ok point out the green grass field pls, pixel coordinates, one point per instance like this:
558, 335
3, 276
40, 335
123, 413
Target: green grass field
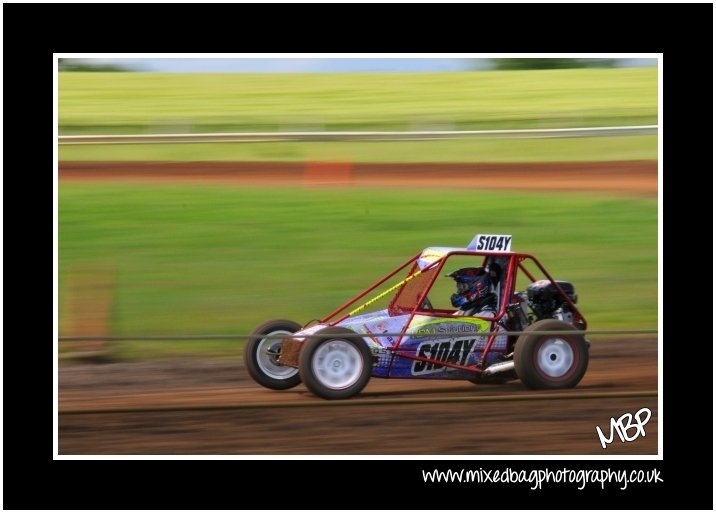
139, 103
220, 260
151, 102
454, 150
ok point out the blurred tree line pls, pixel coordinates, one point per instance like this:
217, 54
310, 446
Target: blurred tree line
81, 65
550, 63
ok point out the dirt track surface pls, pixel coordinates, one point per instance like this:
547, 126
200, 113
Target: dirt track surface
638, 177
311, 426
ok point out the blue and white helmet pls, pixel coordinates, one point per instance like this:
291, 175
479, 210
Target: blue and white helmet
473, 286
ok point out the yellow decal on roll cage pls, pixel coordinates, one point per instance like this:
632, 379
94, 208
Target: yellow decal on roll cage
383, 294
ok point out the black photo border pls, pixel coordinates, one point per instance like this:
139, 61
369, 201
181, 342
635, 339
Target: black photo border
33, 32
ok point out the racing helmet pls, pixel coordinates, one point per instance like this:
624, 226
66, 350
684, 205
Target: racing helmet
473, 287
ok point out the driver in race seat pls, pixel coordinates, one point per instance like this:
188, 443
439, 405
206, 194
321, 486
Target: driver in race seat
476, 290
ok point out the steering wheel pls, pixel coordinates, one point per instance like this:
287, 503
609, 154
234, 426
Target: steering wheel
426, 305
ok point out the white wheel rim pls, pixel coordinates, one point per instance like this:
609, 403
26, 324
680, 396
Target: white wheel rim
266, 360
337, 364
555, 357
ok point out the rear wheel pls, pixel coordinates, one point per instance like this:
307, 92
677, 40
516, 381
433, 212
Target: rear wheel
261, 355
551, 361
335, 365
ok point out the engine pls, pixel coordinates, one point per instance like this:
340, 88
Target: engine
546, 302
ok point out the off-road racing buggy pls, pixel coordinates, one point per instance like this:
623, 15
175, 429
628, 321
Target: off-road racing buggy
419, 334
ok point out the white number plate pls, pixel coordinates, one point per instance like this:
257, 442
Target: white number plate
490, 242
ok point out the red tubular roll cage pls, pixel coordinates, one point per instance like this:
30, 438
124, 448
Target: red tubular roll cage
515, 263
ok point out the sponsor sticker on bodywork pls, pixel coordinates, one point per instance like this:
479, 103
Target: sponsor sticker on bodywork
462, 336
449, 351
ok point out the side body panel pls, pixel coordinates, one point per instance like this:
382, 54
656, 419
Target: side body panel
463, 343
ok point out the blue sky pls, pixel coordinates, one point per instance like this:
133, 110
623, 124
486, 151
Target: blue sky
308, 64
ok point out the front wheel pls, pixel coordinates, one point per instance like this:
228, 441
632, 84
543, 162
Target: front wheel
261, 355
551, 361
336, 364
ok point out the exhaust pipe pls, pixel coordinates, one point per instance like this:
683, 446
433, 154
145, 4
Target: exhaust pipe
499, 367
